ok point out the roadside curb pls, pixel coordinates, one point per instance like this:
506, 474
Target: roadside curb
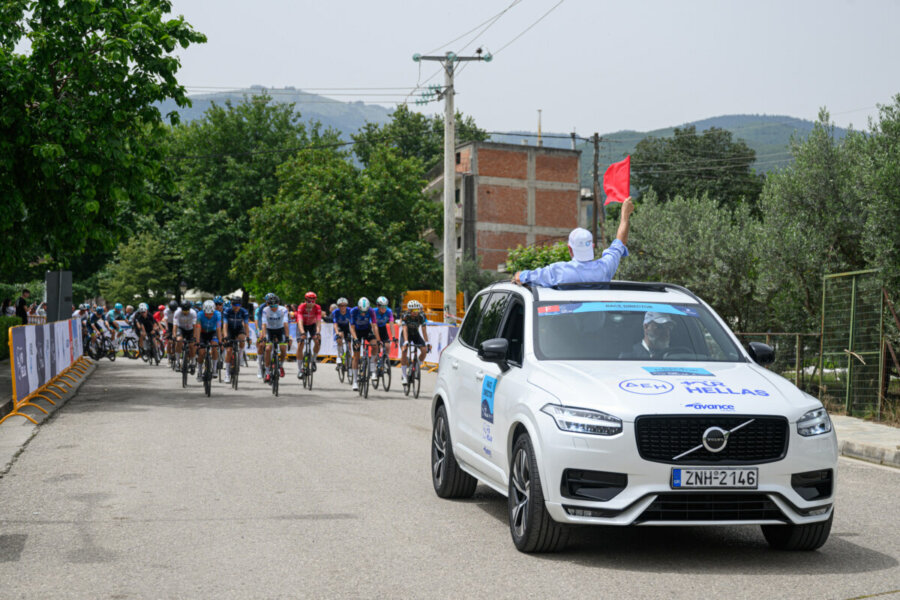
870, 453
16, 433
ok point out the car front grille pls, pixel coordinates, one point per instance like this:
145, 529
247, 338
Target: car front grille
712, 507
660, 438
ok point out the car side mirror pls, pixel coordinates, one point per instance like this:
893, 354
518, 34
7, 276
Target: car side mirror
495, 351
762, 354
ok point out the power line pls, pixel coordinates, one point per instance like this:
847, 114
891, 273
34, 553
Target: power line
493, 18
527, 29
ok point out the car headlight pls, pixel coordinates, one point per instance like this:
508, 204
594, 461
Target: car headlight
815, 422
582, 420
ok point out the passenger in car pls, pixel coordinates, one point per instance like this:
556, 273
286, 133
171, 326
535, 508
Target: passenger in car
657, 334
583, 268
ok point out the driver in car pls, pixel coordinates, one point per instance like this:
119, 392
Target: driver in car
657, 332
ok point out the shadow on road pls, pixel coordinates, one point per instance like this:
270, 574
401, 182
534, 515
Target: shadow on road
700, 550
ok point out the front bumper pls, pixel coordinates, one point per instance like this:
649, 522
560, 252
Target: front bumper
648, 498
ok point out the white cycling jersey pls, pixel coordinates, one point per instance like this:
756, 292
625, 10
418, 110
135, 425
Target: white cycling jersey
169, 315
275, 318
185, 320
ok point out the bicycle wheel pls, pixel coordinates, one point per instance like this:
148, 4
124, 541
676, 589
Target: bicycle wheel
235, 366
207, 372
309, 373
184, 368
363, 374
275, 372
377, 379
417, 381
144, 353
130, 348
110, 350
386, 374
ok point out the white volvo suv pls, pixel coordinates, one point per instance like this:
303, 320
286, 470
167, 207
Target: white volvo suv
626, 404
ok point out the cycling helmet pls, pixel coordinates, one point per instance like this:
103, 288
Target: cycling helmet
209, 307
219, 300
129, 308
98, 310
186, 305
382, 301
271, 299
142, 307
197, 305
236, 301
161, 307
227, 305
414, 305
173, 306
310, 295
118, 306
363, 303
342, 302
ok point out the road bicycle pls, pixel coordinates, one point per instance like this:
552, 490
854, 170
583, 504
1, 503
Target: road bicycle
414, 370
206, 368
235, 361
149, 351
364, 373
383, 366
129, 344
306, 367
343, 364
275, 368
185, 361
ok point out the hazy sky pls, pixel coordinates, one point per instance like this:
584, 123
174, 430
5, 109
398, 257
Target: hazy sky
592, 65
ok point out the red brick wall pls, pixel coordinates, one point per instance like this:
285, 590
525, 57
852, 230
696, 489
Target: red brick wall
556, 168
493, 246
501, 204
556, 208
502, 163
465, 161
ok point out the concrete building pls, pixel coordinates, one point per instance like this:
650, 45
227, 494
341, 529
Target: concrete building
508, 195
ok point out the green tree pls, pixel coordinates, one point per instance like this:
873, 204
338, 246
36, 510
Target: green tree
139, 273
523, 258
695, 243
342, 231
79, 133
414, 135
226, 165
471, 278
691, 165
812, 224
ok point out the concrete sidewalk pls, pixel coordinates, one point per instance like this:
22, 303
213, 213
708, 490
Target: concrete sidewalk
868, 441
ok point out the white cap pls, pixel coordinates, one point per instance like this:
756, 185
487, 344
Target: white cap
657, 317
582, 244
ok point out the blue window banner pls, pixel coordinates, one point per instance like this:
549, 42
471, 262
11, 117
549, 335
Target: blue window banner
487, 398
587, 307
677, 371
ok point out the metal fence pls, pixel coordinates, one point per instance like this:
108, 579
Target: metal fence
796, 356
851, 361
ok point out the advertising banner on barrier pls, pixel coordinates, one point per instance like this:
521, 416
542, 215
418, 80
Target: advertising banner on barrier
41, 352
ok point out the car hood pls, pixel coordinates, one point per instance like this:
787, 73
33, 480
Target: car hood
628, 389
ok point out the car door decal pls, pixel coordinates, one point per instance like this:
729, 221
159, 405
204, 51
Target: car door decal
487, 413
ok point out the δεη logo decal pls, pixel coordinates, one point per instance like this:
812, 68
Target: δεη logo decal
646, 387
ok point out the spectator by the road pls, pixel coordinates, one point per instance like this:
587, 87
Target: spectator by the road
22, 306
583, 268
8, 309
327, 318
41, 310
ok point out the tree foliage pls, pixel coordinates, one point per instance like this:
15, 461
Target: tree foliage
141, 272
523, 258
691, 165
413, 134
471, 278
79, 134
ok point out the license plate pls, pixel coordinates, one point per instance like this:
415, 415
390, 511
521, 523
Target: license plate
715, 478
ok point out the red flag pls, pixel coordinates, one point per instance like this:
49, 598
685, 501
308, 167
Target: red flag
617, 181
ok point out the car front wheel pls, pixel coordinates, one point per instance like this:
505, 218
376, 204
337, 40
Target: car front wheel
798, 537
531, 526
449, 480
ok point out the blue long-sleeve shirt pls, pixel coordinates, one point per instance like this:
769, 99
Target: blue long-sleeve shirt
575, 271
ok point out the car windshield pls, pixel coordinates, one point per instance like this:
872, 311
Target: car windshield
631, 331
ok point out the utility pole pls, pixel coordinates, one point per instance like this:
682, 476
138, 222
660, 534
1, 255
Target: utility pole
598, 216
448, 62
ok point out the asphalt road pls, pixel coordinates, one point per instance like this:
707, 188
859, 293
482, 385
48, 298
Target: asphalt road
139, 489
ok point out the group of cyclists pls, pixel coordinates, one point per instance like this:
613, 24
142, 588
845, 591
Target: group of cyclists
219, 323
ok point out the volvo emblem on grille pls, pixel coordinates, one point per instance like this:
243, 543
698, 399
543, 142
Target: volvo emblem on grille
714, 439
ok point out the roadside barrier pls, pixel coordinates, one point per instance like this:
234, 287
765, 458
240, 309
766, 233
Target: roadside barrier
46, 360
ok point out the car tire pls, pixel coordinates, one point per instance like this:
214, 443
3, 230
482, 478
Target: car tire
448, 479
531, 526
798, 537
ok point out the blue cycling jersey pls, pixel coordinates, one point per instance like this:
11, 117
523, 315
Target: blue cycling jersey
362, 319
383, 318
209, 322
237, 319
339, 318
258, 315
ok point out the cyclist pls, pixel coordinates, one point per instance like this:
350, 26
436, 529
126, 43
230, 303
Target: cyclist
237, 324
309, 318
209, 330
185, 318
383, 317
158, 315
411, 321
97, 323
220, 304
340, 317
275, 331
260, 340
168, 324
115, 314
144, 324
362, 321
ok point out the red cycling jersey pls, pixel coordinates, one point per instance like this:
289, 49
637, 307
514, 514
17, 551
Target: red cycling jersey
158, 315
309, 314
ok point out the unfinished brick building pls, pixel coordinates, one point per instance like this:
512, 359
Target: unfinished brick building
508, 195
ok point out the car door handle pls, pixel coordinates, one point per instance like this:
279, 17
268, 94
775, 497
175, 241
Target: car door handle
455, 364
479, 375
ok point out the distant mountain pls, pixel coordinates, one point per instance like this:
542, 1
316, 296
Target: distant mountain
768, 135
346, 117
